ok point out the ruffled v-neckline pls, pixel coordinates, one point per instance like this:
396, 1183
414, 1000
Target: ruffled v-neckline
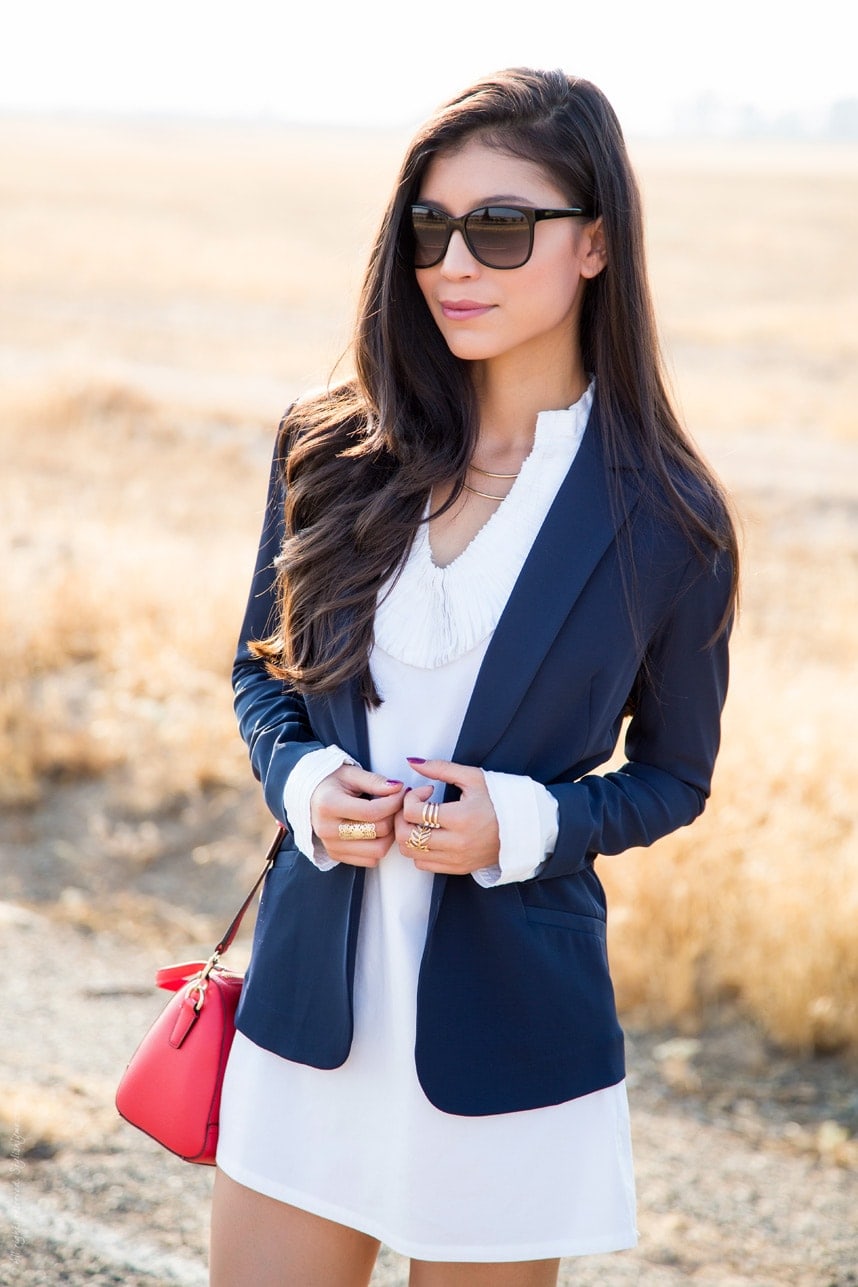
428, 615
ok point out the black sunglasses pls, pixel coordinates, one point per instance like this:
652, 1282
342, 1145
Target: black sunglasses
497, 236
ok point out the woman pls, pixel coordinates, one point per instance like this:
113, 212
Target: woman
479, 556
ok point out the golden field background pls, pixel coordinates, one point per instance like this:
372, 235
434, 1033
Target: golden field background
166, 290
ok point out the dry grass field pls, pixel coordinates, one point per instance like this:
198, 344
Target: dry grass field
166, 290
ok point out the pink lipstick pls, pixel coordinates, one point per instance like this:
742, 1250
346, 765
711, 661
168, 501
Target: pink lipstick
462, 310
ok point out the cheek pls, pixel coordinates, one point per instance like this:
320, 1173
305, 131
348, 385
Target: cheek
554, 292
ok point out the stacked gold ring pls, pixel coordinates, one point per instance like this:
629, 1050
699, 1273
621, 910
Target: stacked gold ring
430, 815
419, 838
357, 831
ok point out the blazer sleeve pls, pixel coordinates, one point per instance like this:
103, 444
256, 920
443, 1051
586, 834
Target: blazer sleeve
671, 741
272, 718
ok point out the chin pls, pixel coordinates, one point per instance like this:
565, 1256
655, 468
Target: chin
469, 348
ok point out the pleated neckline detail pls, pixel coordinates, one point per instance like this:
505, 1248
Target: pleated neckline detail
428, 616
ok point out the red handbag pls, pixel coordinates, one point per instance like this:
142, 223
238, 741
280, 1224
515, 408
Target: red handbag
172, 1086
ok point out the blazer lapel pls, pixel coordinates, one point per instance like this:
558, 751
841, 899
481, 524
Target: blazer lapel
348, 715
577, 531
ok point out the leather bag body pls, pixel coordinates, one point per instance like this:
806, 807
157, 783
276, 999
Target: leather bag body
172, 1086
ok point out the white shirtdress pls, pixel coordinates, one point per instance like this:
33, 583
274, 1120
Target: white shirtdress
361, 1144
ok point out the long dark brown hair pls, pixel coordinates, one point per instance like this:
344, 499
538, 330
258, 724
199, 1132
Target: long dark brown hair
359, 460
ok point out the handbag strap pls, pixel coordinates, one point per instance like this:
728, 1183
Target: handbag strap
230, 934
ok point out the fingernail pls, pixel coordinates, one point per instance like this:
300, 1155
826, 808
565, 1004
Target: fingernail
415, 759
393, 782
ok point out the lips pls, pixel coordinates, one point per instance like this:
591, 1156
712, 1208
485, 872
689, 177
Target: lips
462, 310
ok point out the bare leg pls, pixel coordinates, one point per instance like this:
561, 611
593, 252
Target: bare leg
257, 1241
526, 1273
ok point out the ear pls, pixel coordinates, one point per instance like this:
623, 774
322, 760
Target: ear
594, 250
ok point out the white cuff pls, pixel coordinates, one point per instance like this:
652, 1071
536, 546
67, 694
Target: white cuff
528, 822
310, 770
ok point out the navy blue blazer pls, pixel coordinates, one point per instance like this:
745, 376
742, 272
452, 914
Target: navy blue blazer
515, 1007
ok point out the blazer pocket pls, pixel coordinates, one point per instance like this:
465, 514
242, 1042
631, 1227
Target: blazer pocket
566, 920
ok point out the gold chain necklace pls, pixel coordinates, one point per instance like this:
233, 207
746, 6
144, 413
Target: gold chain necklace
488, 473
488, 495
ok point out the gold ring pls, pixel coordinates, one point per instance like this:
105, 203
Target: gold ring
419, 838
357, 831
430, 815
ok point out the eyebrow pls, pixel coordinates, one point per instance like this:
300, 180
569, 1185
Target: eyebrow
484, 201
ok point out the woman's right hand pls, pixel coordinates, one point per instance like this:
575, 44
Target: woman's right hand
341, 798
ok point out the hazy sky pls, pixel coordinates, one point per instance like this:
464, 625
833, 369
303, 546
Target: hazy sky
390, 61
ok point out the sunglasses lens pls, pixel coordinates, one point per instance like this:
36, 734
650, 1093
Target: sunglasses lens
500, 237
430, 236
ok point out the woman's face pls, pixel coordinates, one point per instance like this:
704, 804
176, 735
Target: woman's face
486, 314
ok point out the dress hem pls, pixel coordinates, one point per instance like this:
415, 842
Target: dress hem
493, 1254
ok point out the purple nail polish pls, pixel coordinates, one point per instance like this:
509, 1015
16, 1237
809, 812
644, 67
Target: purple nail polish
393, 782
415, 759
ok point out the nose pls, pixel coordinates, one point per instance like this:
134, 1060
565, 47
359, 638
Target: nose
458, 260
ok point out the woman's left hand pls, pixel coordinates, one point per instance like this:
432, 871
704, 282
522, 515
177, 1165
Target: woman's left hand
467, 838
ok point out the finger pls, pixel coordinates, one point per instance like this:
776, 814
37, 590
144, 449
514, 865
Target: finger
357, 856
438, 865
360, 781
465, 776
361, 851
441, 867
339, 806
438, 842
330, 833
413, 802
